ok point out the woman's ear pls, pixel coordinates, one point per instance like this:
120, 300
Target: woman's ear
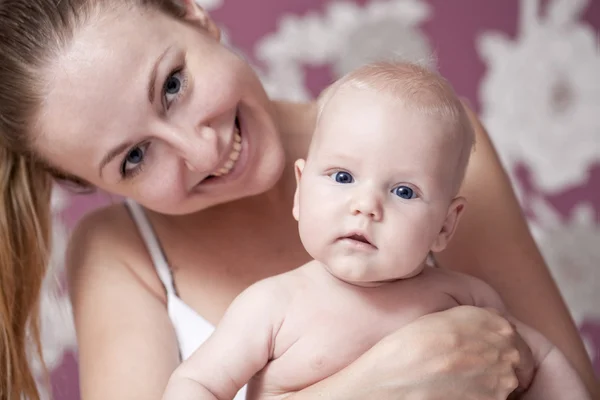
298, 168
450, 223
197, 15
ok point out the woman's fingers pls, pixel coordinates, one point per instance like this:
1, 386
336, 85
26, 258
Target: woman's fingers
518, 353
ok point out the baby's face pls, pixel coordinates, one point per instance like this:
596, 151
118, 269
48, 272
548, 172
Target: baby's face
376, 188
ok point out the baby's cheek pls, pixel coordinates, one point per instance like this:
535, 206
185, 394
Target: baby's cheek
312, 205
309, 235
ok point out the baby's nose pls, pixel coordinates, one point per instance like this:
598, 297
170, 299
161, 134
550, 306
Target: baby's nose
368, 203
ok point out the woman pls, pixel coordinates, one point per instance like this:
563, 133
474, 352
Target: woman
174, 121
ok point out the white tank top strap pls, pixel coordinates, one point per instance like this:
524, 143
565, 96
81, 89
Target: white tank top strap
190, 328
153, 245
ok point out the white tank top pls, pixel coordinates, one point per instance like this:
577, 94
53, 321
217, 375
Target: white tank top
190, 328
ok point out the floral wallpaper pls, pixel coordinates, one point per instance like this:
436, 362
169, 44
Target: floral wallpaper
531, 68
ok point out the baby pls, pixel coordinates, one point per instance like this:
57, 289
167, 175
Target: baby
376, 195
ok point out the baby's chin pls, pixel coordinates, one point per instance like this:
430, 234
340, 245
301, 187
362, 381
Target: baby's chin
359, 274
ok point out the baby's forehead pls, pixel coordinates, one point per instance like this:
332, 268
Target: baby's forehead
425, 101
362, 121
351, 108
377, 123
409, 84
350, 101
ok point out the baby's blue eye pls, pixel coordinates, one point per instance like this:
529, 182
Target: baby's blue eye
342, 177
404, 192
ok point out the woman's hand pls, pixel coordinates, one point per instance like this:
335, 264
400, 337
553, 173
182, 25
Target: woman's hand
462, 353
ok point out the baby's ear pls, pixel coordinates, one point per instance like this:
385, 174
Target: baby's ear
450, 223
197, 15
298, 168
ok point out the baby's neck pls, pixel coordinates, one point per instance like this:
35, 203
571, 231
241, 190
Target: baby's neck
322, 268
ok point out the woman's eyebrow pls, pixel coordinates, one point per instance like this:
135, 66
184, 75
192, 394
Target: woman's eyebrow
112, 154
153, 73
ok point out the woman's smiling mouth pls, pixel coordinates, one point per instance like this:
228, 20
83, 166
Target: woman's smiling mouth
230, 163
234, 155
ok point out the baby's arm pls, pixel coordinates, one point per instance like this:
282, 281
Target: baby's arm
555, 378
239, 348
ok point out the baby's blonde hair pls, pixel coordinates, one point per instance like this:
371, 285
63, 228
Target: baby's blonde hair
417, 88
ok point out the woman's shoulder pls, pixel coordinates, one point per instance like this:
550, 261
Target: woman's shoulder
110, 225
107, 241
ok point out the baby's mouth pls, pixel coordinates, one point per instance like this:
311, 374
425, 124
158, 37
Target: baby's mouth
358, 238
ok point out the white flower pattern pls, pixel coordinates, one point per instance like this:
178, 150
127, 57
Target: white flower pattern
542, 88
345, 36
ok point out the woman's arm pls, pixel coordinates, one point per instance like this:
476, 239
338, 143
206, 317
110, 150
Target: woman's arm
493, 243
127, 347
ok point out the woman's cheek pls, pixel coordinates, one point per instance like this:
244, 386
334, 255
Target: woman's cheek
162, 190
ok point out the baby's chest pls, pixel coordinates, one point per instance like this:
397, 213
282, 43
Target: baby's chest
305, 355
313, 345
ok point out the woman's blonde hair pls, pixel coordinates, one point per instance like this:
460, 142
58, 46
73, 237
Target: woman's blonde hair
32, 34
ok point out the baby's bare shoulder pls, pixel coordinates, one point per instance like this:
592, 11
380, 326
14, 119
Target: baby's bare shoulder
439, 276
278, 291
459, 286
466, 289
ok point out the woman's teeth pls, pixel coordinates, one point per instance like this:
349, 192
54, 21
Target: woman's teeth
233, 156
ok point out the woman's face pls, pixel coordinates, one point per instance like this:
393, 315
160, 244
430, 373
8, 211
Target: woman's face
155, 109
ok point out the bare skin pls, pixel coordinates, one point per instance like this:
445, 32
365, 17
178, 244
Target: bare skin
299, 342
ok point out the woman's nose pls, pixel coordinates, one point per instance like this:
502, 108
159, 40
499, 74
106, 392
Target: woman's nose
199, 149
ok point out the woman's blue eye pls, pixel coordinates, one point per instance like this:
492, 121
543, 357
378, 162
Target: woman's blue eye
132, 160
404, 192
342, 177
173, 87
